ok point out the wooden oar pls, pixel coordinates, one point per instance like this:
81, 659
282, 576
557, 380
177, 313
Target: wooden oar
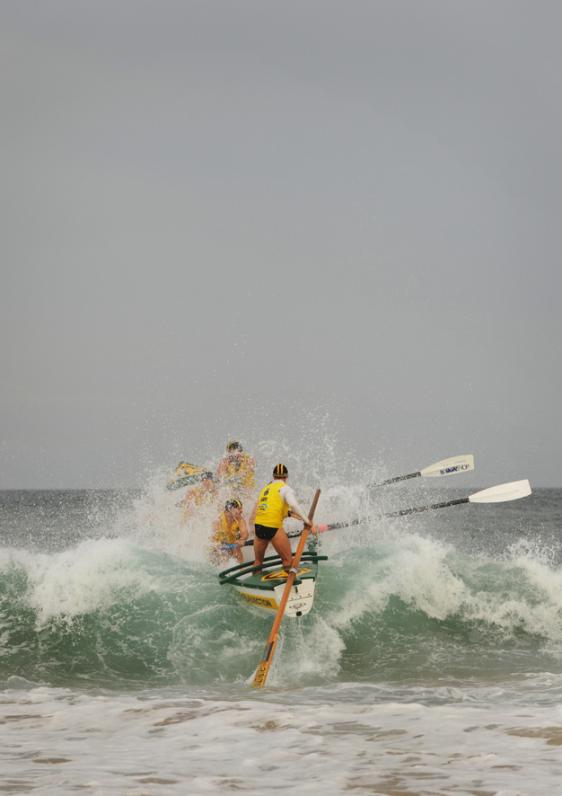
455, 464
260, 675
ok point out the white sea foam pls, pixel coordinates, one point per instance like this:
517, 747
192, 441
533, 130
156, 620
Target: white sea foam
518, 592
208, 733
91, 576
172, 743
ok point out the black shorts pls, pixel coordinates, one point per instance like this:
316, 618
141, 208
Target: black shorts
265, 533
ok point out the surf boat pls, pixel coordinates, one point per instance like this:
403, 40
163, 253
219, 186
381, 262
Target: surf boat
264, 589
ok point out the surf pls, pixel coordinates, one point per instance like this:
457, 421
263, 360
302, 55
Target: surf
114, 612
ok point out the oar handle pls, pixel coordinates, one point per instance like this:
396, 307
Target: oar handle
396, 479
333, 526
419, 509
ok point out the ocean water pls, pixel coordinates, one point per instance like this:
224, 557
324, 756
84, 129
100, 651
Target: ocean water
431, 662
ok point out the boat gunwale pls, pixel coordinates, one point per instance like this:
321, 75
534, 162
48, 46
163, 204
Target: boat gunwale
270, 563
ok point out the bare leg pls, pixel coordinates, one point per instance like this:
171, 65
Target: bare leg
282, 545
260, 546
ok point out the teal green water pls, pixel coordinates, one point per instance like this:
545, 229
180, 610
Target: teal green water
392, 605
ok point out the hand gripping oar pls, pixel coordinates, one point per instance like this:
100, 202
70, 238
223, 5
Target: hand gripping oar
260, 675
456, 464
296, 534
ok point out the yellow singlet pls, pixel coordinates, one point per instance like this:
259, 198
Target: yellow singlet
272, 509
225, 534
240, 472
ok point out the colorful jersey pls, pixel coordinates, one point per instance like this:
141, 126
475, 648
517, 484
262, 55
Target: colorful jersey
272, 508
225, 533
238, 471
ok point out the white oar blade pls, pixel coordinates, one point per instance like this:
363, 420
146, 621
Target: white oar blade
503, 492
456, 464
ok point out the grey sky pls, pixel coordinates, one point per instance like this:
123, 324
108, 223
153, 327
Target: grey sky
279, 221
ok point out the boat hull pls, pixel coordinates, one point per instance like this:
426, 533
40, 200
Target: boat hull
264, 589
300, 599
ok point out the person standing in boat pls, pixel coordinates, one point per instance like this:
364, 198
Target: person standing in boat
229, 533
275, 502
236, 469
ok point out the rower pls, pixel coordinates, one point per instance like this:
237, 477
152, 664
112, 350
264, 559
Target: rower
229, 533
275, 502
236, 468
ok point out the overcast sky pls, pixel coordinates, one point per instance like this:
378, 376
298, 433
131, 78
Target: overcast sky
335, 226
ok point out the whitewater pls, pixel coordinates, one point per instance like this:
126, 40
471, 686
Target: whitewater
431, 662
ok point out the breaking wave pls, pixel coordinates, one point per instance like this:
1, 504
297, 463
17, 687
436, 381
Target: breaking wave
114, 611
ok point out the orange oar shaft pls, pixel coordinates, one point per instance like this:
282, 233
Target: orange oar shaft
263, 668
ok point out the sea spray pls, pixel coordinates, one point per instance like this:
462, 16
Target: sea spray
109, 610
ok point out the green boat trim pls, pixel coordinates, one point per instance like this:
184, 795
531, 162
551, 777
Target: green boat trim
271, 573
264, 589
